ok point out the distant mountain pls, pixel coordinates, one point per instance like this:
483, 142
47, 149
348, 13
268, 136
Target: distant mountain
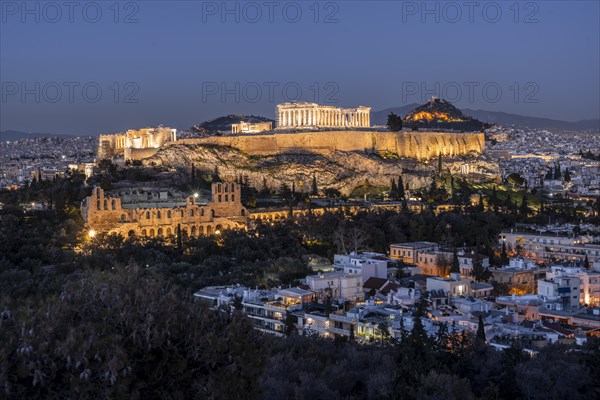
499, 118
223, 124
380, 117
521, 121
11, 135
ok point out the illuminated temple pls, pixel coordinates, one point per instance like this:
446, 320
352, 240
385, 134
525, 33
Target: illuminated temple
312, 115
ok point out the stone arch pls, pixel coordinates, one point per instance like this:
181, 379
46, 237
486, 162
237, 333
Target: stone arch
219, 228
131, 233
169, 231
200, 230
144, 233
209, 230
193, 231
160, 232
151, 232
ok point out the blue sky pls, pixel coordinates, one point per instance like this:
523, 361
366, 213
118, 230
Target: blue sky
183, 62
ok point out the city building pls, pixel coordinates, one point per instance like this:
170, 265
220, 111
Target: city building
161, 214
409, 252
366, 264
251, 127
520, 275
576, 281
337, 285
135, 144
549, 248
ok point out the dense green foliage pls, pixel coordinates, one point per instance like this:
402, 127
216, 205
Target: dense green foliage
114, 318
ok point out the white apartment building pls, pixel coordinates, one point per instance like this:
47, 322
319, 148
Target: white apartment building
337, 285
366, 264
550, 247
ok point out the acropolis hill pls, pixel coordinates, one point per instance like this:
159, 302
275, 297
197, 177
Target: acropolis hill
318, 129
408, 144
336, 146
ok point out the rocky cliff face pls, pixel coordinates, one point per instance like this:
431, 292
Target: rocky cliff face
343, 171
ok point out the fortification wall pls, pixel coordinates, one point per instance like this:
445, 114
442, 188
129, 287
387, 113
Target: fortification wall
419, 145
138, 154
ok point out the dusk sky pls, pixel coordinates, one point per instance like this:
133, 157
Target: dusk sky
171, 63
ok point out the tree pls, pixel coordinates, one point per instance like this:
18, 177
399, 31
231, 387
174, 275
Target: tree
567, 176
401, 194
393, 189
314, 189
440, 166
503, 255
290, 323
480, 206
557, 174
284, 191
524, 209
481, 329
586, 263
394, 122
479, 272
515, 180
455, 263
179, 241
215, 174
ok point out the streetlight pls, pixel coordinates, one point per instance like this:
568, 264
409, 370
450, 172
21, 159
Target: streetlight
92, 233
196, 195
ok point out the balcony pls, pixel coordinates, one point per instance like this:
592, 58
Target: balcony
338, 331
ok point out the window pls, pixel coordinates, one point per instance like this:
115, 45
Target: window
168, 214
191, 213
220, 198
147, 214
226, 196
113, 205
233, 197
158, 215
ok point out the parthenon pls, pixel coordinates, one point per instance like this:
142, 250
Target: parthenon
312, 115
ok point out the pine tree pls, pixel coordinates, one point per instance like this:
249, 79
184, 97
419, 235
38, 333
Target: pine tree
179, 241
401, 194
315, 189
567, 176
455, 263
284, 191
586, 263
393, 189
524, 210
479, 272
557, 174
440, 164
503, 255
215, 175
290, 323
480, 207
481, 329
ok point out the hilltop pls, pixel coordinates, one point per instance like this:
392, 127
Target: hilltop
441, 114
223, 124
